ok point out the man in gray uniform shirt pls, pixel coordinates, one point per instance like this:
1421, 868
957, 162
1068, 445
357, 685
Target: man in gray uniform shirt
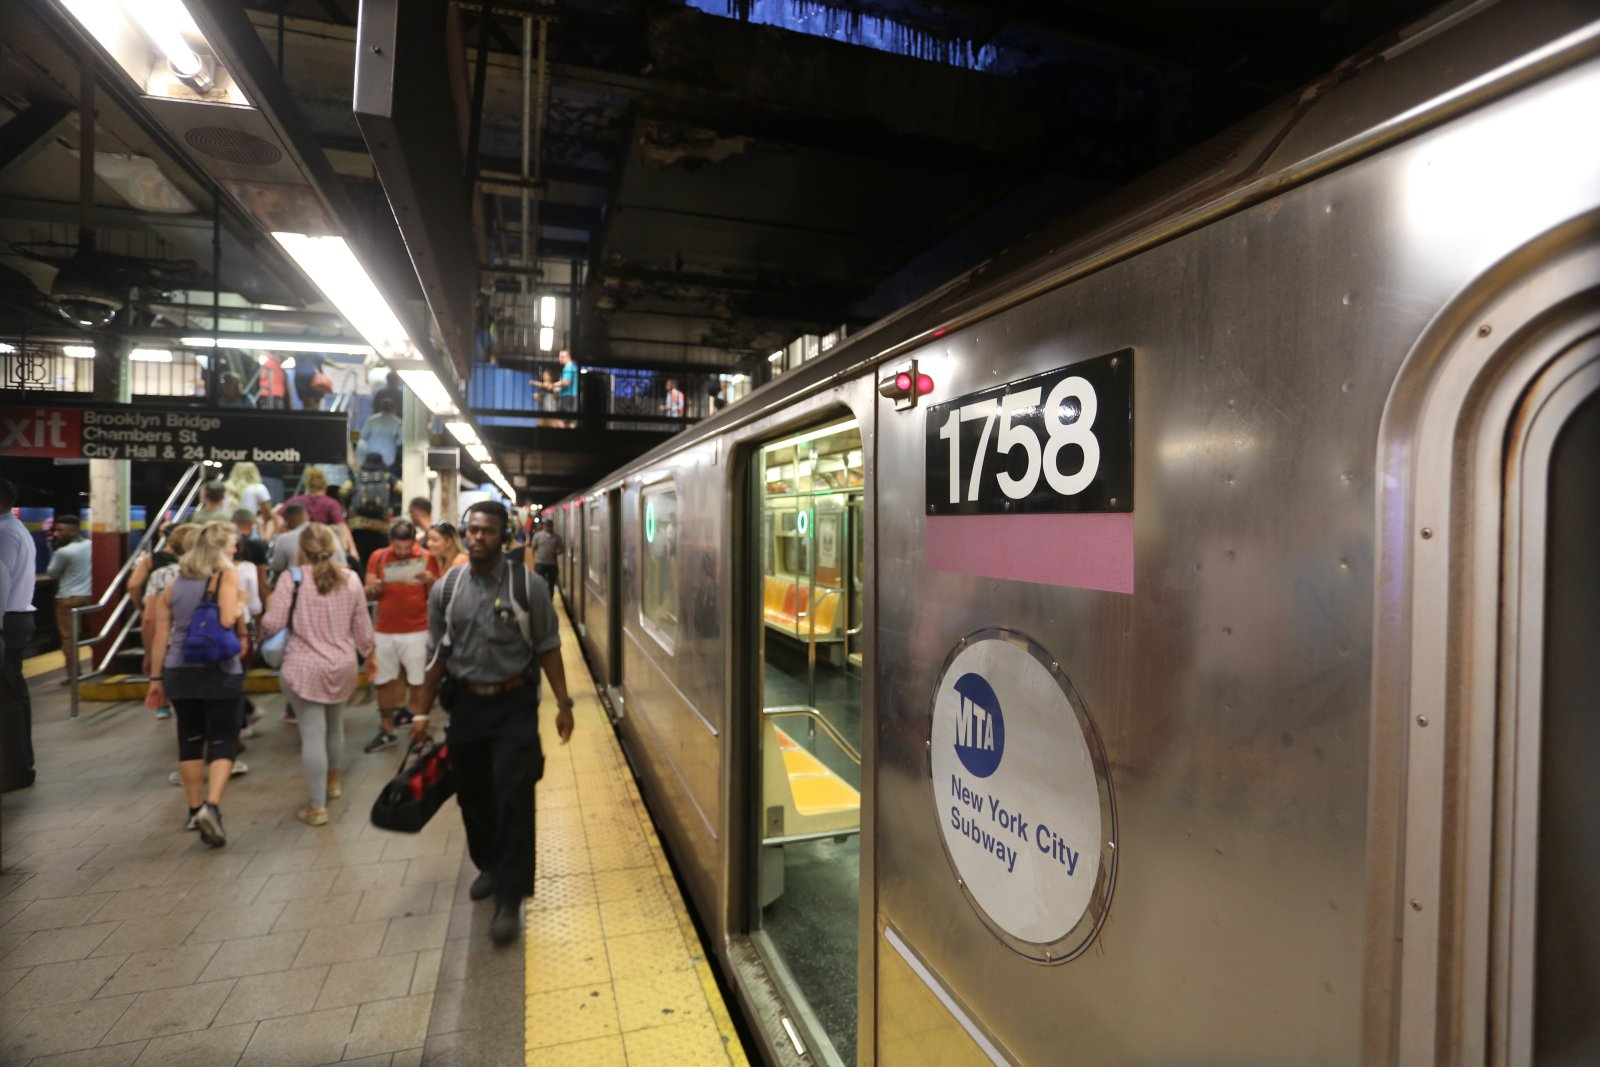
490, 630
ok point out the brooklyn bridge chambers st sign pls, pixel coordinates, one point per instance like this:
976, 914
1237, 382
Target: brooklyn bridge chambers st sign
180, 435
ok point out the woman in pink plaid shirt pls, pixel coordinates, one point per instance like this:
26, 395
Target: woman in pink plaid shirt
328, 624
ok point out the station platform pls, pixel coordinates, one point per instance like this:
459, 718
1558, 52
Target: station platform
125, 941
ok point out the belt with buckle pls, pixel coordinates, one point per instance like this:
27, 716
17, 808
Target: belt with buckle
483, 689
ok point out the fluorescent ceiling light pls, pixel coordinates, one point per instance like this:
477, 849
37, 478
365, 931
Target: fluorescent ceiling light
6, 349
463, 432
547, 311
334, 269
78, 351
480, 453
547, 338
165, 22
158, 46
151, 355
429, 390
492, 472
267, 344
775, 356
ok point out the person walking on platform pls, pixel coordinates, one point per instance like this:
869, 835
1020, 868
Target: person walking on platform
286, 546
163, 567
321, 603
444, 545
321, 507
204, 686
492, 628
398, 578
213, 505
383, 433
72, 570
545, 550
371, 508
246, 491
17, 563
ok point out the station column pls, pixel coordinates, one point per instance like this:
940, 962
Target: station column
109, 479
415, 418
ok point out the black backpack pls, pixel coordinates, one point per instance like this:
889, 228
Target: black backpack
372, 495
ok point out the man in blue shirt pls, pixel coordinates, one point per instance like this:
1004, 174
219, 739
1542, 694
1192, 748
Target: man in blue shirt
383, 431
17, 562
566, 389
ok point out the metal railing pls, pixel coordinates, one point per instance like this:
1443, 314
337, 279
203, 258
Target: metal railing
816, 719
126, 613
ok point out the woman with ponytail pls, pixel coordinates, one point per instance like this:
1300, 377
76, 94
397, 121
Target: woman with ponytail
322, 604
197, 670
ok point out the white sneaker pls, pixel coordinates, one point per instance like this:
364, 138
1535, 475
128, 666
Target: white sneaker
175, 778
239, 767
247, 732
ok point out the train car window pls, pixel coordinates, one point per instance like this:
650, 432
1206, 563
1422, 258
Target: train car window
596, 535
658, 602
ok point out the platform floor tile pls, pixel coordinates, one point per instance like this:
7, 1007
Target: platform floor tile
616, 975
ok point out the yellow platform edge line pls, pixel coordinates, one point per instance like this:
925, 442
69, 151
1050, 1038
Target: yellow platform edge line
590, 716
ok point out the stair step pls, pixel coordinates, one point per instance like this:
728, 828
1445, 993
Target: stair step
119, 687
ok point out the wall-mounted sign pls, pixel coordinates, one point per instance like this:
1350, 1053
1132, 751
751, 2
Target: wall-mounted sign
1061, 441
178, 435
1022, 795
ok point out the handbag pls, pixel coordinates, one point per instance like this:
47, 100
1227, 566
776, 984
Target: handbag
411, 797
321, 383
273, 648
207, 641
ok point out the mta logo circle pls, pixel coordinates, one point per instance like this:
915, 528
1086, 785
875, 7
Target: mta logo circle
980, 739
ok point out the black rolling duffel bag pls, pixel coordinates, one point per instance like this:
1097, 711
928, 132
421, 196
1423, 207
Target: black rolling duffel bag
411, 797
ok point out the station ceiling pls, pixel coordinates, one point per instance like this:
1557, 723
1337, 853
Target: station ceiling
723, 175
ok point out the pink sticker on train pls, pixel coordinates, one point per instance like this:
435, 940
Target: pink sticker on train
1087, 551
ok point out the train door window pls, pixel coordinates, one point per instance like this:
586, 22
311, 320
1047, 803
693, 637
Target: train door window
596, 545
658, 601
808, 514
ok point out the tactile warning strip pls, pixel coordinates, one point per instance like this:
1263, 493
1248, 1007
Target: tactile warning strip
615, 971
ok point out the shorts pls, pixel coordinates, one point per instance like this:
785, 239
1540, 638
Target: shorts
397, 652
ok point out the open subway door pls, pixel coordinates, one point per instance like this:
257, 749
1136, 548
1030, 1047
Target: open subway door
808, 514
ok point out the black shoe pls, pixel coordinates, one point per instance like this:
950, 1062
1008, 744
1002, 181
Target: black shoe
507, 922
382, 741
208, 820
482, 887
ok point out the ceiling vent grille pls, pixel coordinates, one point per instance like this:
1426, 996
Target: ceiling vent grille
233, 146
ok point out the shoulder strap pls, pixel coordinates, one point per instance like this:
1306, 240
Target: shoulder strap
521, 599
450, 590
294, 597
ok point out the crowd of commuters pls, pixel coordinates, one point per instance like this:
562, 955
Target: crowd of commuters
430, 604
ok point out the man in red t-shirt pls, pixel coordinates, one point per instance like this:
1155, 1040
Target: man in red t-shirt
398, 578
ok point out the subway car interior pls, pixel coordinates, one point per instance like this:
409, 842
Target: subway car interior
1048, 533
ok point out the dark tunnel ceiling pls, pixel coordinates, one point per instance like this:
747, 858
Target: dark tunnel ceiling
732, 184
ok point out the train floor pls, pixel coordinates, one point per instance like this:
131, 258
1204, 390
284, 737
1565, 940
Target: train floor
125, 941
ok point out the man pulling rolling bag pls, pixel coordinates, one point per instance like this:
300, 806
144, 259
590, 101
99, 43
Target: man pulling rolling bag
490, 631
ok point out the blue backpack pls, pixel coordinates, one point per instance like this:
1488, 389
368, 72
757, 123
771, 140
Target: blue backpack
208, 642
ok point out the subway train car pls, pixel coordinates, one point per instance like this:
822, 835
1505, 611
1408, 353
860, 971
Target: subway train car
1171, 642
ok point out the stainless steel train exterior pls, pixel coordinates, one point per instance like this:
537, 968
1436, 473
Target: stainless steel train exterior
1329, 671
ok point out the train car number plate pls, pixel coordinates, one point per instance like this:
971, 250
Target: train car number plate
1061, 441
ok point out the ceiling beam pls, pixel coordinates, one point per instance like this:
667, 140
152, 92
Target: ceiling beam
28, 132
